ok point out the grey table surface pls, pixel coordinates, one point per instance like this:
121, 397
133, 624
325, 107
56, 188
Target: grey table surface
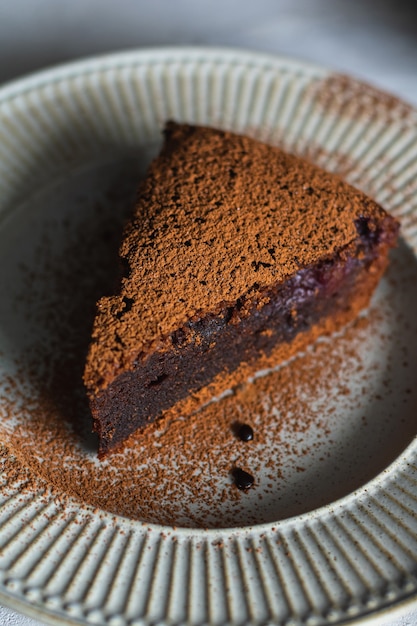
375, 40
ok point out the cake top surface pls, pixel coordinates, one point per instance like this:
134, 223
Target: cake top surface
219, 216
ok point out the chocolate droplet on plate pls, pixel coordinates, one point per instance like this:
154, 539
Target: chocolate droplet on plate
243, 480
245, 432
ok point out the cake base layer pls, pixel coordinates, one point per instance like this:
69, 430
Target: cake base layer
263, 328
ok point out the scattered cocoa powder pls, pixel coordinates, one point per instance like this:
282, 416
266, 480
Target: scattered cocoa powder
345, 95
317, 435
179, 471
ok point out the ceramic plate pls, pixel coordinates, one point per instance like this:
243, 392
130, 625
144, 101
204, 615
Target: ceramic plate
328, 533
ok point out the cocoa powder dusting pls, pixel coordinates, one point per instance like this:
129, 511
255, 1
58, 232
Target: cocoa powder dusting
324, 422
347, 96
203, 235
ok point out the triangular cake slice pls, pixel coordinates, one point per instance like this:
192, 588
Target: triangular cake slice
237, 256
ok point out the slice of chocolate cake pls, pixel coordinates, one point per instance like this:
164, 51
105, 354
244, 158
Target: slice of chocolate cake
237, 256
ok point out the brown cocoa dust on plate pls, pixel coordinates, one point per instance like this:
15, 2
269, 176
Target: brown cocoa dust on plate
323, 423
181, 470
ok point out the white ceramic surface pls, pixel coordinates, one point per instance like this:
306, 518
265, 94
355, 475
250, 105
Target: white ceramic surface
61, 560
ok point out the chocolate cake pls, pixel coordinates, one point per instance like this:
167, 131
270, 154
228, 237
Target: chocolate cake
237, 256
